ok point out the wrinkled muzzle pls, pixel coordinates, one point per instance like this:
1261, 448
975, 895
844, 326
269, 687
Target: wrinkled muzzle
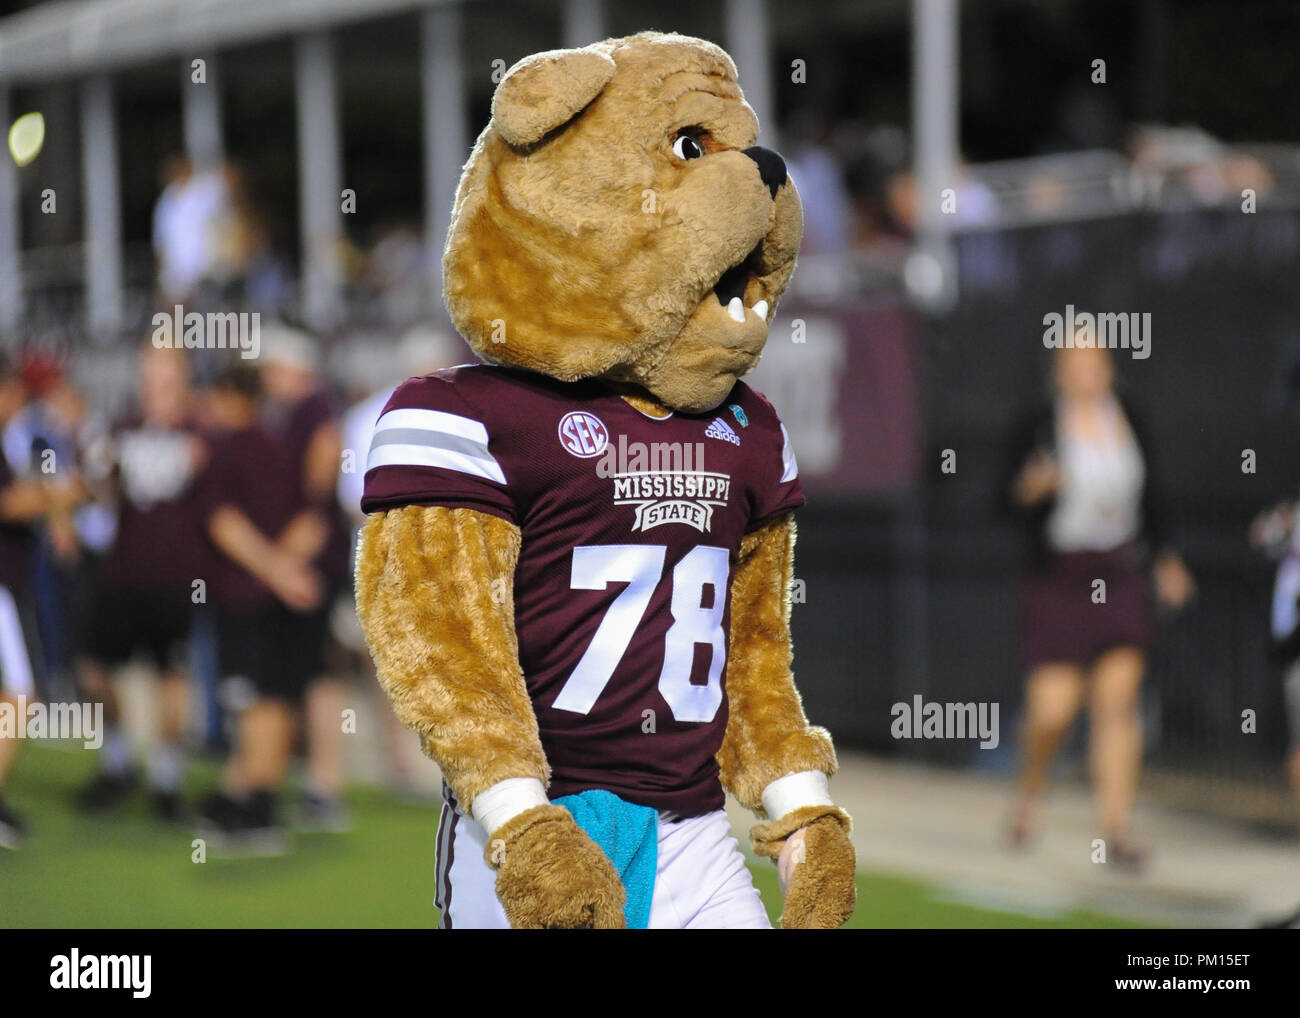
723, 337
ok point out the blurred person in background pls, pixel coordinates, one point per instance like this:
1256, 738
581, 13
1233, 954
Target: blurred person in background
260, 573
234, 236
814, 165
299, 415
395, 273
186, 224
267, 276
67, 432
46, 441
1083, 483
1275, 533
24, 501
876, 154
143, 593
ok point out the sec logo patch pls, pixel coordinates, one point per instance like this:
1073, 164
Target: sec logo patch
583, 434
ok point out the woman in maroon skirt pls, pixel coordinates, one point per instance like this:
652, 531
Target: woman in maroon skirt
1083, 480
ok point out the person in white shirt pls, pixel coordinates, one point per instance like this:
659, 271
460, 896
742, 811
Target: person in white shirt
1083, 481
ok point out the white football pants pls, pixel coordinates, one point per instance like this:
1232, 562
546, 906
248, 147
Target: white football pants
701, 881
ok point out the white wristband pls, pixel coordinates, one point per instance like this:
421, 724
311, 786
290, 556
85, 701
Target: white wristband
794, 791
506, 800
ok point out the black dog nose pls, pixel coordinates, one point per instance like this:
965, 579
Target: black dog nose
771, 167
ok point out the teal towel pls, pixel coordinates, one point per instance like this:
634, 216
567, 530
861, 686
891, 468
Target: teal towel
629, 835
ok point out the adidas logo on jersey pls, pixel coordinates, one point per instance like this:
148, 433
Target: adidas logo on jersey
721, 429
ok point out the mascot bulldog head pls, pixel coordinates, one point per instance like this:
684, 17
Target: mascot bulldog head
617, 220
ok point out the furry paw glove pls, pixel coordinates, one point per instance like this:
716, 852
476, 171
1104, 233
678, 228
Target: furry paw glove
551, 875
822, 892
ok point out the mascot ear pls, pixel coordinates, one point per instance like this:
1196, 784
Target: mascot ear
546, 90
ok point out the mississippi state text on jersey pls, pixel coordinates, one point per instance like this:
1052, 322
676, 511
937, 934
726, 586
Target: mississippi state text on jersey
631, 529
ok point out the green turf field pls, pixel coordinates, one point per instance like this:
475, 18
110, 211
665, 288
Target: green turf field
131, 871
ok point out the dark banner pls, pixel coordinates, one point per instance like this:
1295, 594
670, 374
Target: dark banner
844, 380
229, 969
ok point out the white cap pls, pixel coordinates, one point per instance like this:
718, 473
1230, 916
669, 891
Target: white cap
423, 349
283, 344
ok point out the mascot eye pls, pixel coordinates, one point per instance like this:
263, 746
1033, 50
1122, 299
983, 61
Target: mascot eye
687, 147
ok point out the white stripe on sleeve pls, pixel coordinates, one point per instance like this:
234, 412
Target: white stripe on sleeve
433, 420
412, 437
432, 456
791, 470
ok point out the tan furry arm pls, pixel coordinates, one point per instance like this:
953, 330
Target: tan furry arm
768, 735
444, 646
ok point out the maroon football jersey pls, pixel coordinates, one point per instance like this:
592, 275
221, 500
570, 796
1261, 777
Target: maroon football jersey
246, 469
631, 529
295, 426
160, 538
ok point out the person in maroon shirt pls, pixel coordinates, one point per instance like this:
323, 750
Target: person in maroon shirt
260, 573
299, 415
23, 502
145, 590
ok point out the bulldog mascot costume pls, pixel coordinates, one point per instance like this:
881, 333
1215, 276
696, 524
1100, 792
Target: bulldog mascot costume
575, 575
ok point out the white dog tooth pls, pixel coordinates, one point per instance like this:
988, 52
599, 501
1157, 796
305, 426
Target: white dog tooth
736, 309
760, 309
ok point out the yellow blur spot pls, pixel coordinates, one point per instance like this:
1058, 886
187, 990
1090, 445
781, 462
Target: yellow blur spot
26, 138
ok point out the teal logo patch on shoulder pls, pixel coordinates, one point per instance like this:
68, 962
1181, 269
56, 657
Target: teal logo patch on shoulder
739, 414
